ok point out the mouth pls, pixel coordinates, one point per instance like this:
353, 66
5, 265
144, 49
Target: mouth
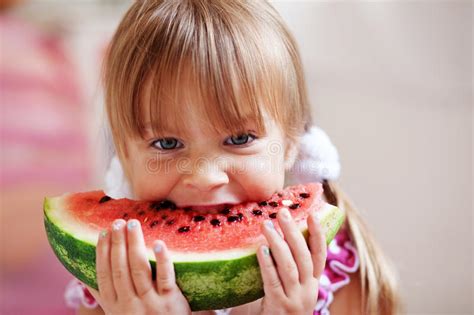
209, 208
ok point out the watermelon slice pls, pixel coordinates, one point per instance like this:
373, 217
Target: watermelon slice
214, 254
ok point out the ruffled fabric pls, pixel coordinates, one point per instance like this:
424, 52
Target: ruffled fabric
341, 261
77, 294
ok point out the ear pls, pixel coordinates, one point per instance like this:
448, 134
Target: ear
291, 153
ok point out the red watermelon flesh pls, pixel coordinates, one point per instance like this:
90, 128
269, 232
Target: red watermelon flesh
185, 230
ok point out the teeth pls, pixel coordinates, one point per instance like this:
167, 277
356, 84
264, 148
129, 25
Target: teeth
286, 202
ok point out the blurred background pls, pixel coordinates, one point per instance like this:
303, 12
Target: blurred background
389, 81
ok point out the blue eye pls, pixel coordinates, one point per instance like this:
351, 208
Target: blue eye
240, 139
166, 144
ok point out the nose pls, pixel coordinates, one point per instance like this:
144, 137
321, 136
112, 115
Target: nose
206, 178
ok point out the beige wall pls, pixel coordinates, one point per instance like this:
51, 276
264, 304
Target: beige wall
391, 83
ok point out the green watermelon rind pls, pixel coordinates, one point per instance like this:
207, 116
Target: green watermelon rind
207, 285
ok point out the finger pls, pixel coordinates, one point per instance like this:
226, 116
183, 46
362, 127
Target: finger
297, 245
137, 256
103, 267
120, 267
286, 266
271, 281
317, 245
165, 276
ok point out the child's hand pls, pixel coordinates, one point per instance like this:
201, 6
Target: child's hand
124, 275
291, 287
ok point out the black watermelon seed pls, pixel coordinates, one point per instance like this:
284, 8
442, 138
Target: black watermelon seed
170, 222
273, 204
232, 218
184, 229
141, 212
104, 199
164, 216
155, 205
241, 216
125, 215
152, 224
257, 212
167, 204
215, 222
273, 215
294, 206
198, 218
304, 195
262, 203
280, 195
225, 211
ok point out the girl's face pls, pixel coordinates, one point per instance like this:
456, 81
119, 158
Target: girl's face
207, 168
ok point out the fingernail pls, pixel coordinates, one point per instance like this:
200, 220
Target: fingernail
269, 225
117, 225
266, 250
132, 224
285, 214
103, 234
158, 247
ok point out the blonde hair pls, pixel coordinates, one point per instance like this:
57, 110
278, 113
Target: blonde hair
239, 61
236, 56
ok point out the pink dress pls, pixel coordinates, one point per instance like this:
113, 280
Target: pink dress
342, 260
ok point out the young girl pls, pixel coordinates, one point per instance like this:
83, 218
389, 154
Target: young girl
207, 105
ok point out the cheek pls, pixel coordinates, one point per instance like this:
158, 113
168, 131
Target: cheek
151, 179
262, 176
